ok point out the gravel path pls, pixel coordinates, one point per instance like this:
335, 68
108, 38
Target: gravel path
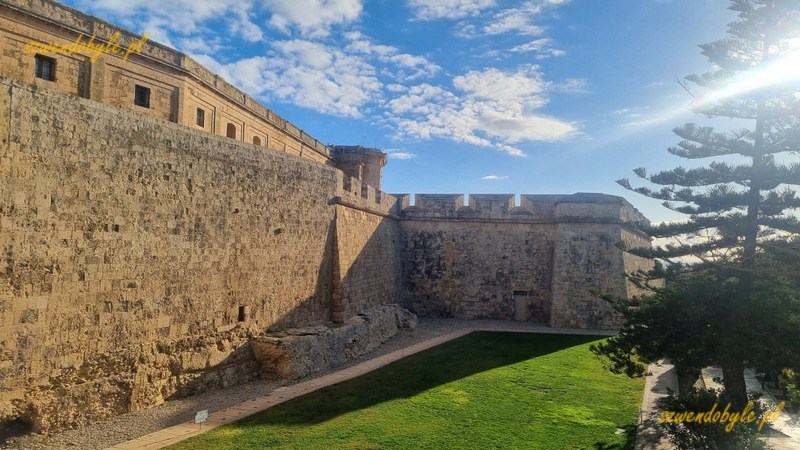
129, 426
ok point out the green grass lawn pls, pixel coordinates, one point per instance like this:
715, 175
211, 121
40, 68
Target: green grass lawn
484, 390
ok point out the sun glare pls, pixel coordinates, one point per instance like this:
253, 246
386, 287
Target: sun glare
781, 72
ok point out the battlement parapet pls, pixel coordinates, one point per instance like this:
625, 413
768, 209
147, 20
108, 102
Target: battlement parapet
355, 193
579, 207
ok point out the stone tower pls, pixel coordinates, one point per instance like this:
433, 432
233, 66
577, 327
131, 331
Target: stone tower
362, 163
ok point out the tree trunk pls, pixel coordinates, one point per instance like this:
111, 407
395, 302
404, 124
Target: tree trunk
733, 380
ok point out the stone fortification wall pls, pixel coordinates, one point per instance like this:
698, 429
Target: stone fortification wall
540, 260
138, 256
586, 259
470, 270
367, 269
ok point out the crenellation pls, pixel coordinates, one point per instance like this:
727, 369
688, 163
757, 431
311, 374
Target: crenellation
491, 204
539, 208
439, 203
368, 193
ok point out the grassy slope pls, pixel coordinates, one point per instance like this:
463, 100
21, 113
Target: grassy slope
485, 390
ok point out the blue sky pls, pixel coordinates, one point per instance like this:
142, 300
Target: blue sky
467, 96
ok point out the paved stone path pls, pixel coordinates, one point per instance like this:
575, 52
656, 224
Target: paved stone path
785, 432
660, 377
172, 435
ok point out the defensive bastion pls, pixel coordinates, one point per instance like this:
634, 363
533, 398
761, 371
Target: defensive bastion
146, 257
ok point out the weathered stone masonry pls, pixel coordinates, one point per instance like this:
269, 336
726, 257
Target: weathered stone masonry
537, 261
179, 87
140, 256
143, 257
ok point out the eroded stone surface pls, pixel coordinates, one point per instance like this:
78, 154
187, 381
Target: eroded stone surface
304, 351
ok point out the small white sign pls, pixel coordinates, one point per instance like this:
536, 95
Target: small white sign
201, 416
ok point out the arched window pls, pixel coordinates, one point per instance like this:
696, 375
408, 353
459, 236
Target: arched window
232, 131
256, 140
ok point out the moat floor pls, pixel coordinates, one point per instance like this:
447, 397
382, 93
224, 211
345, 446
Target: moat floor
483, 390
248, 398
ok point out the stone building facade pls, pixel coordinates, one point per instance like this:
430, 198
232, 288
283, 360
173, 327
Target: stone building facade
141, 253
178, 88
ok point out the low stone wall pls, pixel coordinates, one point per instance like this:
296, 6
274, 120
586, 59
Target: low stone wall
304, 351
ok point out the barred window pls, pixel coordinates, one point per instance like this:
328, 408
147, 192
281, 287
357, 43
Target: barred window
45, 68
141, 96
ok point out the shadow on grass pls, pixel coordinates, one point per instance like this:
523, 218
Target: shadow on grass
469, 355
629, 444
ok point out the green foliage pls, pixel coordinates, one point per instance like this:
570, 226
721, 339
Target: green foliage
711, 435
692, 322
781, 256
485, 390
739, 193
788, 380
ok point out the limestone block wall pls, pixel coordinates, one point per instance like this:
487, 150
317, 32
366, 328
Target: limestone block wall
179, 85
489, 258
471, 269
633, 263
588, 262
586, 259
139, 255
367, 266
368, 262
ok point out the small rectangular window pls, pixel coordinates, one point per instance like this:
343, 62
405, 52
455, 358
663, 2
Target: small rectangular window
242, 316
142, 96
45, 68
201, 117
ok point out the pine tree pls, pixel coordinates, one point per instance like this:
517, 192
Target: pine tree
745, 194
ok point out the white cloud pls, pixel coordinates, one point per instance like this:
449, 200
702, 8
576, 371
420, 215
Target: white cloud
307, 74
199, 45
512, 20
312, 18
396, 88
543, 48
494, 177
571, 85
516, 20
496, 109
631, 109
523, 86
448, 9
534, 46
404, 66
396, 154
341, 81
245, 28
634, 116
183, 17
